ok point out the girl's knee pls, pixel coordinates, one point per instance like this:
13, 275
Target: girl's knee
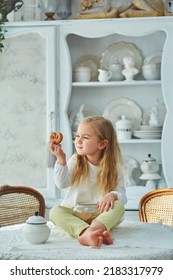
58, 213
55, 212
119, 206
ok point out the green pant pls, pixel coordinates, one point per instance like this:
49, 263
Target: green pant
75, 222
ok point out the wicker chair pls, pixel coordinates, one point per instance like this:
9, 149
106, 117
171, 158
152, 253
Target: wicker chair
18, 203
157, 207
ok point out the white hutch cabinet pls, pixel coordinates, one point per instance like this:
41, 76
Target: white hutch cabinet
46, 79
153, 35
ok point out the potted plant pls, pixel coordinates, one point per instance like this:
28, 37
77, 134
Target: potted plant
3, 7
6, 6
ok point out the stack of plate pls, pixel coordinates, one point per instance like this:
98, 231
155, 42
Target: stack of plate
148, 132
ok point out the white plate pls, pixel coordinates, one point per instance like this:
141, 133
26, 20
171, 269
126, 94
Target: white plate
150, 128
155, 57
117, 51
90, 61
86, 112
142, 132
147, 136
126, 107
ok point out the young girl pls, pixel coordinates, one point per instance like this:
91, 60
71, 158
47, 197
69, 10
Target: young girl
92, 176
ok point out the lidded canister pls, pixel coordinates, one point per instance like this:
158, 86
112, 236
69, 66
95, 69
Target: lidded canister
124, 128
82, 74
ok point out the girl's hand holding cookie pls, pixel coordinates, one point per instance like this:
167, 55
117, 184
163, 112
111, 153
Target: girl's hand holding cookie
56, 138
55, 147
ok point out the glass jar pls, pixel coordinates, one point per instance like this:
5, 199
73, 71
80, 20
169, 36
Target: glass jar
64, 9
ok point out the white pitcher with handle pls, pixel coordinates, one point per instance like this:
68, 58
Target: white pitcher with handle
104, 75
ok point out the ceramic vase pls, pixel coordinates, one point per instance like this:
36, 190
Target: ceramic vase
64, 9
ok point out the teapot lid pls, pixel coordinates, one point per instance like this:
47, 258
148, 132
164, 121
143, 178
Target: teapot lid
34, 220
149, 158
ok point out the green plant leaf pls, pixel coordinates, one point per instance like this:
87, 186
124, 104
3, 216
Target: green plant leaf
3, 8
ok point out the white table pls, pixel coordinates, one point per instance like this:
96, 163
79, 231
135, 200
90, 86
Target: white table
132, 240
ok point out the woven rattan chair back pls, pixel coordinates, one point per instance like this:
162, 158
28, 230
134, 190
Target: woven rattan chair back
157, 207
18, 203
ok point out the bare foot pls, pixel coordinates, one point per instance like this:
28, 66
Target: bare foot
107, 239
92, 238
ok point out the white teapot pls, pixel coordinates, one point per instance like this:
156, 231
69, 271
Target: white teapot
104, 75
149, 165
36, 230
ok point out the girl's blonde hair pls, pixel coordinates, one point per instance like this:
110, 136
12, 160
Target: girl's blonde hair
107, 177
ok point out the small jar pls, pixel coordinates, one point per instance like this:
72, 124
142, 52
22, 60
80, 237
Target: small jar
124, 128
82, 74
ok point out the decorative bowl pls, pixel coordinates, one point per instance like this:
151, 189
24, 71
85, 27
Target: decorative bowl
151, 72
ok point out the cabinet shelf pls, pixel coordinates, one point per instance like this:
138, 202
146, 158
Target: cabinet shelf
137, 141
117, 83
140, 141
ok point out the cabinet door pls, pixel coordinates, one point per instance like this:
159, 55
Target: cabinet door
92, 38
27, 107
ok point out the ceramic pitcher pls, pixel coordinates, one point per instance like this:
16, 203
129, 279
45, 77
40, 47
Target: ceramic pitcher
104, 75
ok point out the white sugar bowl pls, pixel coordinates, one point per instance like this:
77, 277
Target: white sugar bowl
36, 230
82, 74
124, 128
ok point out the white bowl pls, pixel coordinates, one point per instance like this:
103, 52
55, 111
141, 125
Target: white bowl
151, 66
151, 73
91, 208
